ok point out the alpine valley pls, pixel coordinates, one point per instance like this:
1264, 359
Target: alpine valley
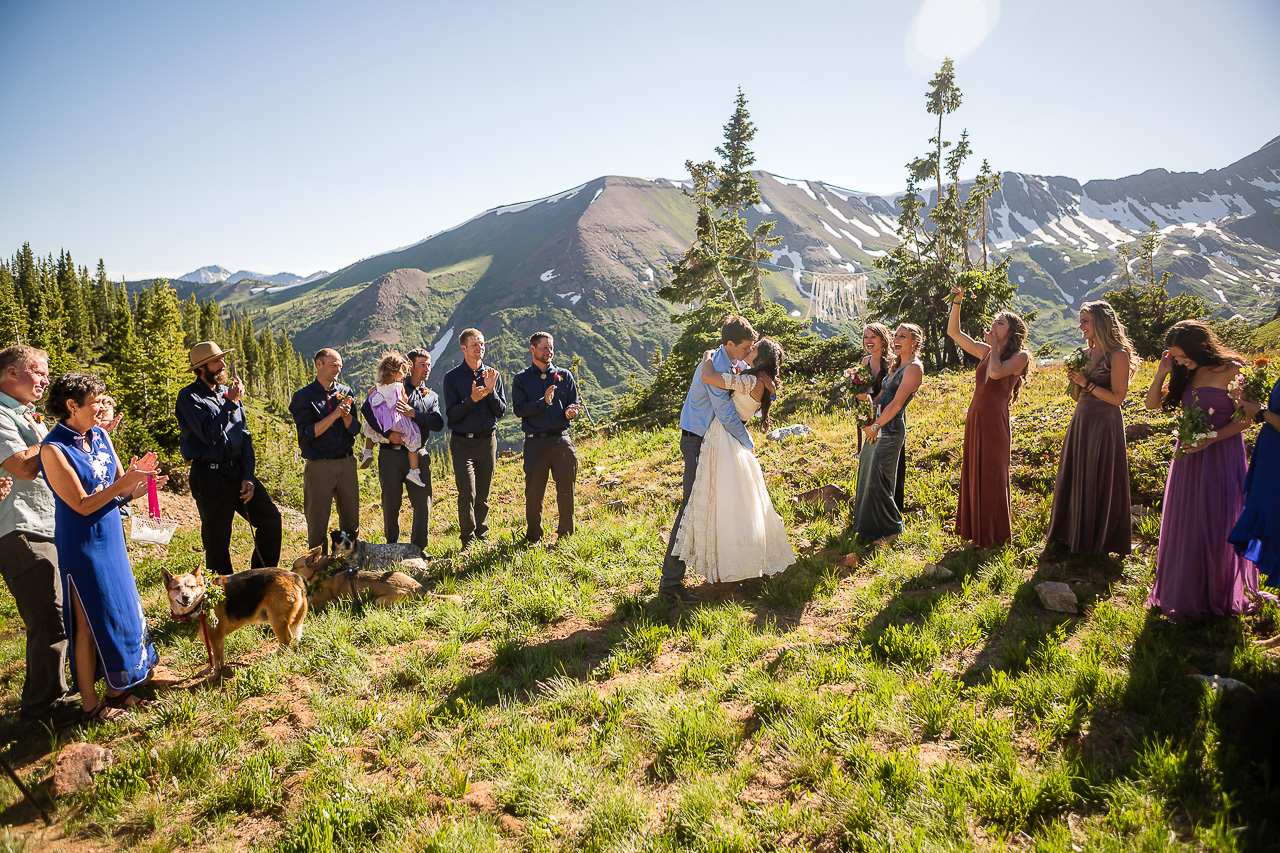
585, 264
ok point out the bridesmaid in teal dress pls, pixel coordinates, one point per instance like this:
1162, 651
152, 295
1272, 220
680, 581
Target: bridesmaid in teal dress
875, 513
102, 613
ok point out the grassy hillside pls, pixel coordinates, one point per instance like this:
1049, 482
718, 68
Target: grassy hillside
852, 703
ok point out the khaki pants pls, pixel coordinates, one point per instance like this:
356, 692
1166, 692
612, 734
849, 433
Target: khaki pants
30, 567
323, 481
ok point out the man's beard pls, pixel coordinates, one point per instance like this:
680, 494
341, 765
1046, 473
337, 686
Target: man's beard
212, 377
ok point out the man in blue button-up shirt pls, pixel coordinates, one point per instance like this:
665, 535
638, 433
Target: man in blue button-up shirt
545, 399
474, 400
328, 424
217, 443
703, 404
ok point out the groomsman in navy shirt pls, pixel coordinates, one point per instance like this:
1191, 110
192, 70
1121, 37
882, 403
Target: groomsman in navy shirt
474, 400
545, 399
327, 424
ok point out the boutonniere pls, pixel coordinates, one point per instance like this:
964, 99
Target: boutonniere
736, 370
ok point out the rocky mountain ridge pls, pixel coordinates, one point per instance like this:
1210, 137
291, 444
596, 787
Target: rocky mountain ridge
586, 263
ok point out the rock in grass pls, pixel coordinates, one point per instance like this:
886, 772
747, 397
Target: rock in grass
77, 764
1220, 683
784, 433
1055, 595
829, 496
942, 573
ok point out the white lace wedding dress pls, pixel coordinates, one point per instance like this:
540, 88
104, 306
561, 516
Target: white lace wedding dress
730, 531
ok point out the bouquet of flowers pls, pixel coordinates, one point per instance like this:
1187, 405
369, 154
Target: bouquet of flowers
1077, 361
1252, 383
1192, 428
855, 381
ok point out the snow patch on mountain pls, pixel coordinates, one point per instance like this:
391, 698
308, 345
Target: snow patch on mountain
799, 184
763, 208
797, 264
438, 350
548, 275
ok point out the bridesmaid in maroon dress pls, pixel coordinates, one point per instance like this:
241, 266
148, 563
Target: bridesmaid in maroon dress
1091, 509
985, 515
1198, 572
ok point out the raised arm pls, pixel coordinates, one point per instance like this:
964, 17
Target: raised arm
998, 368
977, 349
1156, 393
66, 485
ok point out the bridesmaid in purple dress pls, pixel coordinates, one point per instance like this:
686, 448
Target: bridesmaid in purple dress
1198, 573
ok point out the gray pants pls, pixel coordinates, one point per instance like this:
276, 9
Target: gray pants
30, 567
393, 467
473, 463
673, 566
323, 480
552, 455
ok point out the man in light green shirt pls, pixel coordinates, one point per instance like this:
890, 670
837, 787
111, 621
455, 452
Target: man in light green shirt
28, 559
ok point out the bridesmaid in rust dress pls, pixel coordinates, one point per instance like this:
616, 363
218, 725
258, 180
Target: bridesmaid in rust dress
1091, 510
985, 514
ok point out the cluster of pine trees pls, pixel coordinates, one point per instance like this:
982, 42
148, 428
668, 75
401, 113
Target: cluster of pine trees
136, 337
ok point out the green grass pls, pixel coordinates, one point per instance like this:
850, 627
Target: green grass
564, 706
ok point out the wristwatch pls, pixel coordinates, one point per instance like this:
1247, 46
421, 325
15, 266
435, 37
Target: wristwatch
1260, 417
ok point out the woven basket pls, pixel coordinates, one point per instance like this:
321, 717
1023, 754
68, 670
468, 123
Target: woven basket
151, 529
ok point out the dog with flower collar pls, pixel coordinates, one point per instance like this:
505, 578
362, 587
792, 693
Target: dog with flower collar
275, 597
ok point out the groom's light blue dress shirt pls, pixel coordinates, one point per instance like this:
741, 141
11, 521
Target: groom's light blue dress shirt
705, 403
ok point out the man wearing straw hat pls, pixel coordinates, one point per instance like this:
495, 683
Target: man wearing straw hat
217, 443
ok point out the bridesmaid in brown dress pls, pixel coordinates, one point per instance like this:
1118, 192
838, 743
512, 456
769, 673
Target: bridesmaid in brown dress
1091, 511
985, 515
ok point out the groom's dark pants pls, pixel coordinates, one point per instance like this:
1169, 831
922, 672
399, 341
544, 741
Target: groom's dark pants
673, 566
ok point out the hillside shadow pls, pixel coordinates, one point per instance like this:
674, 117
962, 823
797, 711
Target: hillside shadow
1028, 624
1203, 749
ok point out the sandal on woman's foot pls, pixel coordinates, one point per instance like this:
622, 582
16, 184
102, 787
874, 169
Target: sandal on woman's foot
128, 702
103, 712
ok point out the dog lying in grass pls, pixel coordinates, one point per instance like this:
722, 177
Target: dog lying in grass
328, 580
274, 597
370, 556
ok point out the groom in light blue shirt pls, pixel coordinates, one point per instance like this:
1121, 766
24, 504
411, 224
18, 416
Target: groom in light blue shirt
703, 404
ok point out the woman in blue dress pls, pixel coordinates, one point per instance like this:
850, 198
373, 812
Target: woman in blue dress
1256, 535
102, 612
875, 513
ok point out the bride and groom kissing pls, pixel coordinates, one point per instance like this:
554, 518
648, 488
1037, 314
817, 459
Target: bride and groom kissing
726, 528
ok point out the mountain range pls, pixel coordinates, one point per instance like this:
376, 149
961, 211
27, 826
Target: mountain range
585, 264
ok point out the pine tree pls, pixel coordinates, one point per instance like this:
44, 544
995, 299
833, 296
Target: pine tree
930, 259
1145, 306
723, 264
12, 318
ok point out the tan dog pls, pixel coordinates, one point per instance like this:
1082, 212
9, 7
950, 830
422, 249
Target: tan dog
386, 588
274, 597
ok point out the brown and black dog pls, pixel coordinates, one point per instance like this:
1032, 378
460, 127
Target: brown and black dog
386, 588
275, 597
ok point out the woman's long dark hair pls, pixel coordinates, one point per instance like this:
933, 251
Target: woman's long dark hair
1198, 343
1014, 342
769, 358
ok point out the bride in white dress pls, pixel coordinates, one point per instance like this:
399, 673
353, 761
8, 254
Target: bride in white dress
730, 530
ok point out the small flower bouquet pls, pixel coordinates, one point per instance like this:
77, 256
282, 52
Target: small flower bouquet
1192, 427
855, 381
1252, 383
1077, 361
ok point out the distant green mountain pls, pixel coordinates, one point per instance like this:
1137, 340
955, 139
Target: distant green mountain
586, 264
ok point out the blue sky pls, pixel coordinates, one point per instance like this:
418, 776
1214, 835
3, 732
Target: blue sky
275, 135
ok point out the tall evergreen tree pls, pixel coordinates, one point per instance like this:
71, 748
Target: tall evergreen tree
932, 257
724, 261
